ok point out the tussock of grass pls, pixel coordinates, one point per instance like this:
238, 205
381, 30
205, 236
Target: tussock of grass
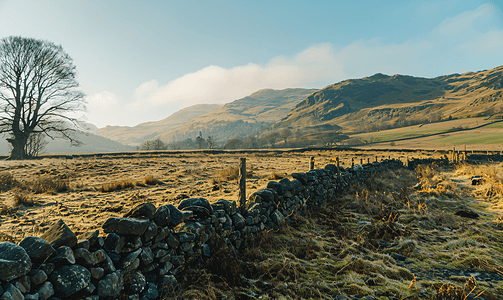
116, 186
277, 176
151, 180
49, 185
22, 197
7, 181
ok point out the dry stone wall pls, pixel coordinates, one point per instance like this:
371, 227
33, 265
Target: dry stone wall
141, 254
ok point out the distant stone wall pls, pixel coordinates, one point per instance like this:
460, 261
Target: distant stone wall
143, 252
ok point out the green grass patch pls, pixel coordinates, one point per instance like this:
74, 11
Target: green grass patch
484, 138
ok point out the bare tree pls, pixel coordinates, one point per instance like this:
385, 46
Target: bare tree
285, 134
35, 144
210, 141
38, 92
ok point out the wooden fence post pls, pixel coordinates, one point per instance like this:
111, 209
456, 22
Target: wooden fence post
311, 163
361, 161
338, 170
242, 185
352, 162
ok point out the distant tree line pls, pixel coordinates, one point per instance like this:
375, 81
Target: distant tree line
285, 138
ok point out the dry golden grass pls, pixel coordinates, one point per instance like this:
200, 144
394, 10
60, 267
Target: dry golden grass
7, 181
116, 186
151, 180
277, 176
48, 185
22, 197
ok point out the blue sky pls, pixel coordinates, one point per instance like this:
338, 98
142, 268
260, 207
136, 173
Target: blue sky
141, 61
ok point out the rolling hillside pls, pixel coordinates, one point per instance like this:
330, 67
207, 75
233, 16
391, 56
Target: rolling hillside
381, 101
140, 133
240, 117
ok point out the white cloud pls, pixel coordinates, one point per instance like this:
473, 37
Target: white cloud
462, 43
215, 84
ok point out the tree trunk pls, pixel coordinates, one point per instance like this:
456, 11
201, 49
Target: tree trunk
18, 147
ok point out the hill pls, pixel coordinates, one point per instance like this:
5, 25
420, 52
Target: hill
140, 133
240, 117
381, 102
90, 143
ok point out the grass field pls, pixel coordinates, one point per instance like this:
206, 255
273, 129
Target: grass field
389, 237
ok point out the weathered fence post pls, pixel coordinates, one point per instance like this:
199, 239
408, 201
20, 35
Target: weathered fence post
368, 160
352, 162
361, 161
376, 158
311, 163
338, 170
242, 185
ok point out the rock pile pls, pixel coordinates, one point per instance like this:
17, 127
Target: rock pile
140, 254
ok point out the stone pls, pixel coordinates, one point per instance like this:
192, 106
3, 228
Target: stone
31, 297
48, 268
24, 284
177, 260
176, 216
91, 236
110, 285
197, 211
277, 217
14, 261
114, 243
37, 249
85, 244
133, 243
278, 187
146, 256
108, 265
125, 226
302, 177
142, 211
64, 255
59, 235
163, 233
90, 288
238, 220
151, 292
128, 262
187, 246
84, 257
162, 216
14, 292
206, 250
165, 268
68, 280
185, 237
151, 232
134, 282
100, 255
287, 185
201, 202
173, 242
97, 273
37, 277
45, 291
